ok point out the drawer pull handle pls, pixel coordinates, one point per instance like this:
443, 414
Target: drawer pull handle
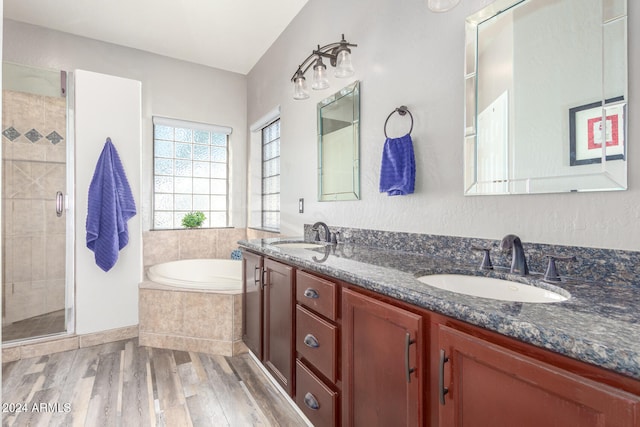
407, 343
311, 401
442, 390
311, 293
311, 341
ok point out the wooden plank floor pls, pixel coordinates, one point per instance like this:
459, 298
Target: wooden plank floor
122, 384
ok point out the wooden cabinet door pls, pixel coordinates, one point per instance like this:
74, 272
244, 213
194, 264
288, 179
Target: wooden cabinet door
252, 302
278, 338
489, 385
382, 356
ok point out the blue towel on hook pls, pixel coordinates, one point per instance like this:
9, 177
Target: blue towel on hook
398, 169
111, 205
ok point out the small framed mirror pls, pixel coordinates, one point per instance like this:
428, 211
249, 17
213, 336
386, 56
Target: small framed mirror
339, 145
541, 79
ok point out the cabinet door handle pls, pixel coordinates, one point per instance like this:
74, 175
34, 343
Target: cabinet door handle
311, 293
256, 276
59, 203
311, 401
442, 390
407, 343
311, 341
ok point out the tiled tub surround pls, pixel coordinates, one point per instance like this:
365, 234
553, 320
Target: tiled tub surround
599, 324
190, 320
33, 157
171, 245
161, 246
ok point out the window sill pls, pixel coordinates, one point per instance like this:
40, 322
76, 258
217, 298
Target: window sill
195, 228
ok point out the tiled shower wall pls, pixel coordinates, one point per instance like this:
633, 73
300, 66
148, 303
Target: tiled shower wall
33, 156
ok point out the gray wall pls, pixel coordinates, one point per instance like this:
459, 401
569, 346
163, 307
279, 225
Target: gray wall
408, 55
170, 88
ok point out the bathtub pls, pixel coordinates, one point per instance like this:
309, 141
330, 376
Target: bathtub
192, 305
216, 275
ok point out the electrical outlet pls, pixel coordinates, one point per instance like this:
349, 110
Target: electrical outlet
301, 205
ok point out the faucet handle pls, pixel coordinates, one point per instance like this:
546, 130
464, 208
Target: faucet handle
486, 259
316, 238
551, 274
335, 237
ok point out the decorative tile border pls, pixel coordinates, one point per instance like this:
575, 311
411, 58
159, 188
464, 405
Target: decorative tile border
32, 135
592, 264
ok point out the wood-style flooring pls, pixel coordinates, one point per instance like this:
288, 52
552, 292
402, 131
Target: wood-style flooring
122, 384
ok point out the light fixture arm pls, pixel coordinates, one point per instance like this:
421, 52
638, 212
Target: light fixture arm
329, 51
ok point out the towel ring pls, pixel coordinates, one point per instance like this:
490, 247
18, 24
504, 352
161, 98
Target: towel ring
402, 110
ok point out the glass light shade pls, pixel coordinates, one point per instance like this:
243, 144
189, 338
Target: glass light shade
441, 5
300, 88
320, 79
344, 68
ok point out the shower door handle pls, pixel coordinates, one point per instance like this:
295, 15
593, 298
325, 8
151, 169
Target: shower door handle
59, 203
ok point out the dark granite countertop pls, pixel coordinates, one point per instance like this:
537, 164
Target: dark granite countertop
599, 324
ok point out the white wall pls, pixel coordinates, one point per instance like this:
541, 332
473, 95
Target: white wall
107, 106
170, 88
408, 55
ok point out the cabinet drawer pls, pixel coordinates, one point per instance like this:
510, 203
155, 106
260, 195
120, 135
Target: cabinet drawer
314, 398
317, 294
317, 342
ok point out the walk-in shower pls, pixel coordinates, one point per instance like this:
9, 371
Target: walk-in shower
37, 188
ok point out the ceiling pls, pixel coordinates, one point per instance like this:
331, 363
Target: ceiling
228, 34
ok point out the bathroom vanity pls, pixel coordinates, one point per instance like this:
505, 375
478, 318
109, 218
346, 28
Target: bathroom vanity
355, 339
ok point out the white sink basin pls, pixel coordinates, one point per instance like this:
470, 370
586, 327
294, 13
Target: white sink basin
488, 287
298, 245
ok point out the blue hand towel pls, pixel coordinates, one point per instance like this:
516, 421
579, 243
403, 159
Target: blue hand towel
111, 205
398, 169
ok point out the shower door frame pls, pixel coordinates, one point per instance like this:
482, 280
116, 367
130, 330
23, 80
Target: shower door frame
69, 198
67, 88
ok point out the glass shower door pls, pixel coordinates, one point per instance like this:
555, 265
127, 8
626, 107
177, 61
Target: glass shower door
34, 187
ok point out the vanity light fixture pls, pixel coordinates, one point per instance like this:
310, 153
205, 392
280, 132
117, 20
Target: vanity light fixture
339, 56
441, 5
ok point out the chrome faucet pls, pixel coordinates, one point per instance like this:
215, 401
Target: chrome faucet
518, 259
327, 234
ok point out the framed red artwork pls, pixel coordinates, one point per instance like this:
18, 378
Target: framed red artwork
587, 135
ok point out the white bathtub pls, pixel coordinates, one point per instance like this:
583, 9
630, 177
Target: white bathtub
223, 276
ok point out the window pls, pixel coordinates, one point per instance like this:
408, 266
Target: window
271, 176
190, 172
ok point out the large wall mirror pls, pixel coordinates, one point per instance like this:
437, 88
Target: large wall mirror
339, 145
541, 78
